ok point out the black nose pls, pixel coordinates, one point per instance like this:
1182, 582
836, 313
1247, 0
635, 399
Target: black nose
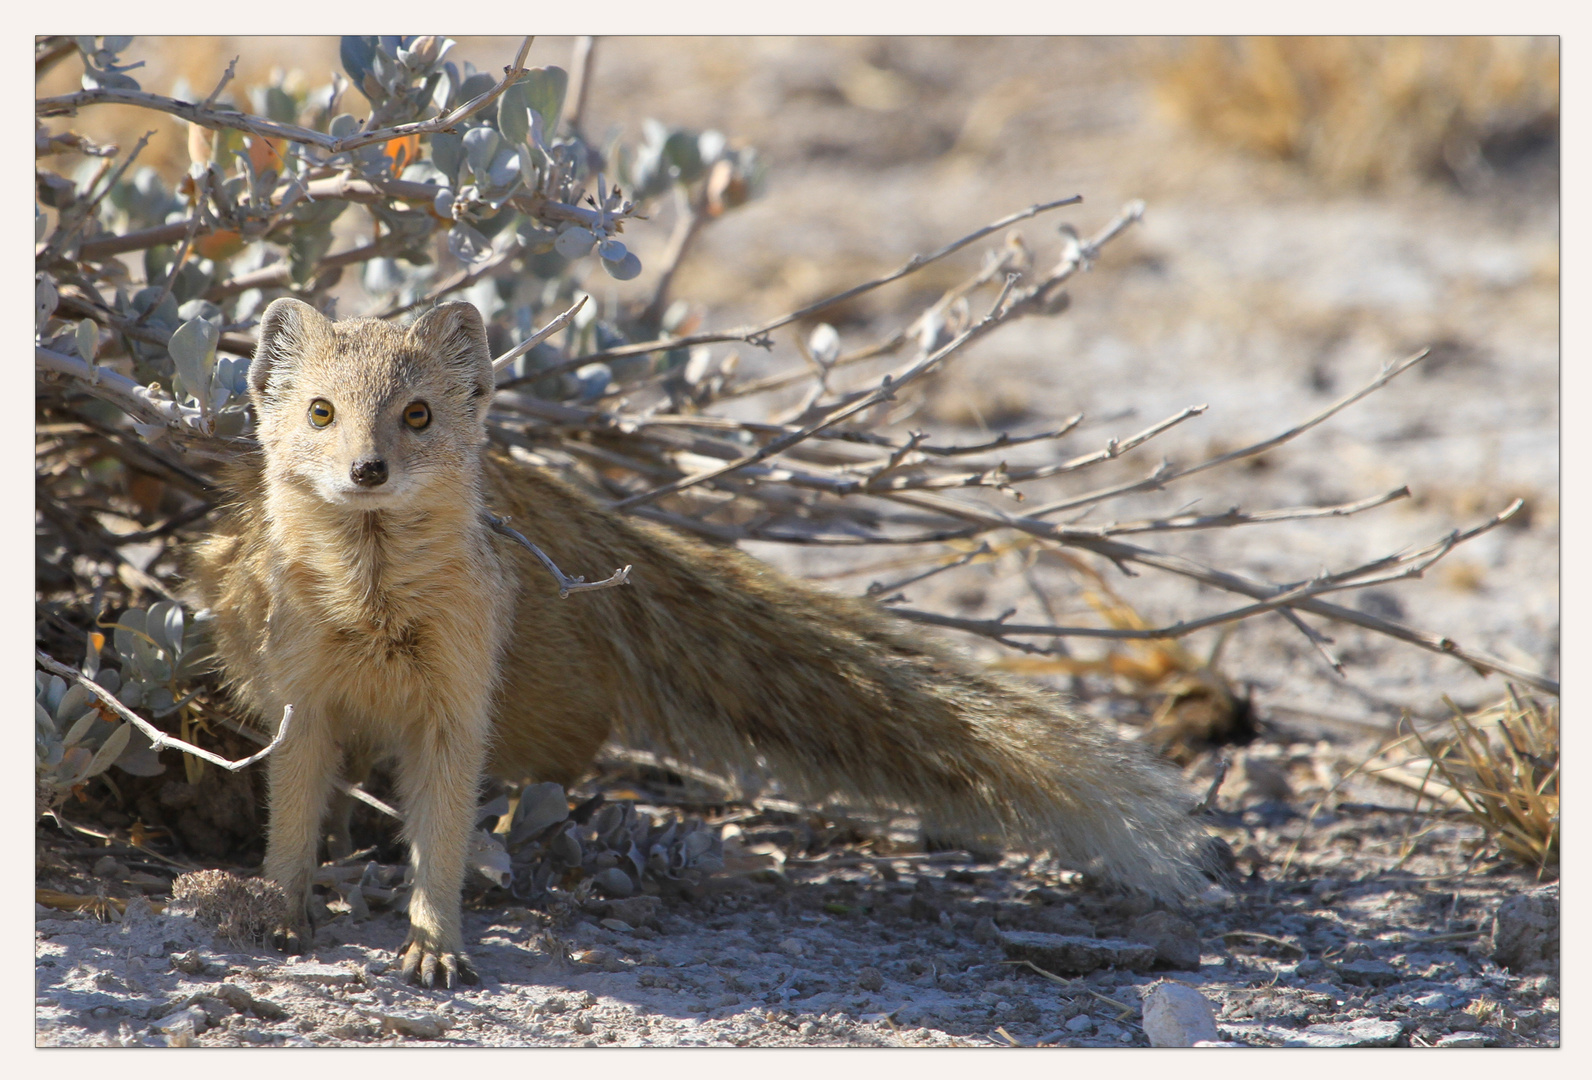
371, 472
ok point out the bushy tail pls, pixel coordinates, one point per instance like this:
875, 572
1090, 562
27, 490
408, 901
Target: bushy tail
724, 661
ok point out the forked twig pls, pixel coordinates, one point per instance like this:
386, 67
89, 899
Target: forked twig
159, 739
566, 584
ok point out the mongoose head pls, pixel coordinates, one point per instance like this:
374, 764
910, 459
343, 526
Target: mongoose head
367, 415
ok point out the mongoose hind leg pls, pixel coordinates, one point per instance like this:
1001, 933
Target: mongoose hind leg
339, 841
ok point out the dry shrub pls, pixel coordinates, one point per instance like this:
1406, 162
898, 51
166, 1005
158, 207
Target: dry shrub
240, 909
1503, 762
1356, 111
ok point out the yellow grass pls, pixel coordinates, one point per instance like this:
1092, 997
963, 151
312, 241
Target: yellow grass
1503, 763
1362, 110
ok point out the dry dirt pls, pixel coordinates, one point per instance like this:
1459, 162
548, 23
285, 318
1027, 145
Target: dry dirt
1249, 287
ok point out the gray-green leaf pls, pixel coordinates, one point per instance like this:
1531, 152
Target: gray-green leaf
87, 339
543, 90
193, 349
108, 753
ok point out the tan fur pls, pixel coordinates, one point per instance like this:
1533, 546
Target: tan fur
384, 628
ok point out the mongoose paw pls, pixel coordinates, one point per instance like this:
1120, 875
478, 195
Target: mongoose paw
293, 938
423, 963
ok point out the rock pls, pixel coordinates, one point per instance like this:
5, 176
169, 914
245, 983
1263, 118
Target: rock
1069, 955
1525, 932
1081, 1023
215, 1009
985, 930
191, 1020
1465, 1038
241, 1000
870, 979
416, 1025
1367, 972
1177, 1015
1176, 940
321, 974
1354, 1033
1218, 1042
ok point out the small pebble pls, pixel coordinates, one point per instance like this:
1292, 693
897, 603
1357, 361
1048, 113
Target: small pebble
1366, 1032
1177, 1015
416, 1025
1465, 1038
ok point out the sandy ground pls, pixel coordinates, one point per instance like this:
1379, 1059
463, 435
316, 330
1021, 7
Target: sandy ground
1248, 287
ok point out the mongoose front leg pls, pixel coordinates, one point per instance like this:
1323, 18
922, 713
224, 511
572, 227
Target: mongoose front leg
438, 776
300, 780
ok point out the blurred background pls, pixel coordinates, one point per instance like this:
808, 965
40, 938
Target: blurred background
1316, 207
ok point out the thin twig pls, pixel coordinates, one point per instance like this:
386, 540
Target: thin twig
158, 738
686, 229
755, 334
566, 584
887, 390
460, 279
1236, 516
580, 69
1209, 800
540, 336
879, 589
226, 77
81, 211
176, 263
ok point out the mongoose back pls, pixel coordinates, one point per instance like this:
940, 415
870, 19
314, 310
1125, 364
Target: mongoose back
356, 577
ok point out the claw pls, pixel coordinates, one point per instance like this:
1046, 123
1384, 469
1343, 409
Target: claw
290, 939
422, 965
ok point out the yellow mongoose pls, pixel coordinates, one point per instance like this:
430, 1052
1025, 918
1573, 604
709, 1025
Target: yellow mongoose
357, 578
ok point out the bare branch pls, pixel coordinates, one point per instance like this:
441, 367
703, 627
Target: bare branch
753, 334
137, 401
540, 336
226, 77
581, 65
176, 263
686, 229
1236, 516
886, 390
158, 738
1205, 804
566, 584
880, 589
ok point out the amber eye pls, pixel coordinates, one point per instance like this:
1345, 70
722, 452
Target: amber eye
320, 412
417, 415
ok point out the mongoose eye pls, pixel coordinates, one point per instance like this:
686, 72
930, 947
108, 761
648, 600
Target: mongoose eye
321, 412
417, 415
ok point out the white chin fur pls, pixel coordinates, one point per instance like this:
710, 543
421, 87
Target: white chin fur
385, 497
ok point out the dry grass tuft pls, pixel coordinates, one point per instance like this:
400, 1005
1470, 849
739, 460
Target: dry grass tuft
1358, 111
1503, 763
240, 909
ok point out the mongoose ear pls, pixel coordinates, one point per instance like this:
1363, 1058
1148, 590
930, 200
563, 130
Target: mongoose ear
286, 329
455, 335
